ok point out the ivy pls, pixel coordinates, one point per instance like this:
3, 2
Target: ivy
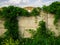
11, 22
36, 11
41, 37
53, 8
10, 15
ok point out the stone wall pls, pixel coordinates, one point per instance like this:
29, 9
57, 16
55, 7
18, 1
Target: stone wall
2, 30
26, 23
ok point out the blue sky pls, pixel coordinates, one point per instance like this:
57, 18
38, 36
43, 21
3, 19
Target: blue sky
24, 3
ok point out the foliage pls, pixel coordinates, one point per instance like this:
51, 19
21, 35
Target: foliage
41, 37
1, 40
10, 42
45, 8
12, 26
11, 22
24, 13
10, 15
36, 11
53, 8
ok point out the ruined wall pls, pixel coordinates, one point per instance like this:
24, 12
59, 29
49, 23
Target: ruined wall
2, 30
32, 22
26, 23
51, 25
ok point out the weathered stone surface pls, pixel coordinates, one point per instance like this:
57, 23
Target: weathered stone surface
2, 30
26, 23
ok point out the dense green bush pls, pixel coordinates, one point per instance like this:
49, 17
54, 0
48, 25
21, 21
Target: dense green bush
35, 11
10, 15
53, 8
10, 42
45, 8
11, 22
41, 37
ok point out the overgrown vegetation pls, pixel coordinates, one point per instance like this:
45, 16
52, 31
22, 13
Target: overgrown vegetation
54, 8
10, 15
11, 22
10, 42
41, 37
36, 11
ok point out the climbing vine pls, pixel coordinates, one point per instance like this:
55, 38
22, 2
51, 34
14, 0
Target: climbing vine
53, 8
10, 15
41, 37
11, 22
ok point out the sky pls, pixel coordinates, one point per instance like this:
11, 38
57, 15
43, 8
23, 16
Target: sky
26, 3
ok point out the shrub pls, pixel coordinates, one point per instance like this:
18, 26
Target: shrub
53, 8
36, 11
10, 42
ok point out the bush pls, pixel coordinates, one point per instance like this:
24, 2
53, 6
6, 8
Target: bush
10, 42
36, 11
53, 8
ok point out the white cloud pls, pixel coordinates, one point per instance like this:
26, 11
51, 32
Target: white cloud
23, 3
39, 0
14, 1
39, 3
